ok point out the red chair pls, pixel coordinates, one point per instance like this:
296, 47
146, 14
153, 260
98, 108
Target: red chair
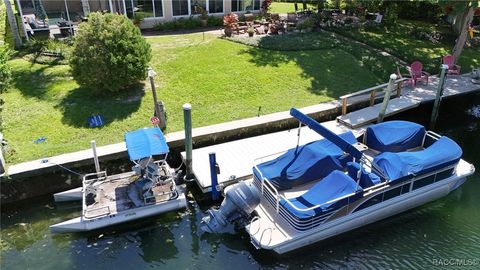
417, 74
449, 60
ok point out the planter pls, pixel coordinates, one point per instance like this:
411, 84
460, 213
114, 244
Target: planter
228, 31
204, 22
250, 34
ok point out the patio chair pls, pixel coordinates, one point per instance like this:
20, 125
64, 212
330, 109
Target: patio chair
417, 73
292, 19
449, 60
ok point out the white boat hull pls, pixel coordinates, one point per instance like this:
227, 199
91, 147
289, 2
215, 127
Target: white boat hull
69, 195
263, 233
81, 224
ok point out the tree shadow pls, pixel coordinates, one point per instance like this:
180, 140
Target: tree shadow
332, 72
33, 82
81, 103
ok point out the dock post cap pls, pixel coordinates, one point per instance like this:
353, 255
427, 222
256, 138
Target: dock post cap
393, 76
444, 66
187, 106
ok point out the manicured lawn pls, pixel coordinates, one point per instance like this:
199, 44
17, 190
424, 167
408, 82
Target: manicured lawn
399, 41
2, 22
281, 7
222, 80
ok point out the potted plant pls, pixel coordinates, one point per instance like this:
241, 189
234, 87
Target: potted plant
204, 17
229, 21
250, 31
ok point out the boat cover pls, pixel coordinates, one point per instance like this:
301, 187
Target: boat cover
145, 142
440, 154
333, 186
309, 162
394, 136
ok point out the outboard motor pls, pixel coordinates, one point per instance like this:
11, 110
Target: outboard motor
240, 201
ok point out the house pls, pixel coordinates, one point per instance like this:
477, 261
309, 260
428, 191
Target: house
56, 15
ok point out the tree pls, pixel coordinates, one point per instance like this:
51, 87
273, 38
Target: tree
109, 53
463, 12
13, 24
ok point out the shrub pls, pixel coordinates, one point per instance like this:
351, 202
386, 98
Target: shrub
214, 21
109, 53
5, 72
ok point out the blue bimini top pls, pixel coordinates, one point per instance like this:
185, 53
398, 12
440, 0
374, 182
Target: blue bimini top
394, 136
309, 162
442, 153
145, 142
337, 184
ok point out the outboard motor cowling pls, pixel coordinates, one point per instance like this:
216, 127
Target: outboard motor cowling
239, 203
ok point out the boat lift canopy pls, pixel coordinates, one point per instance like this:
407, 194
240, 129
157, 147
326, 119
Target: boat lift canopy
145, 142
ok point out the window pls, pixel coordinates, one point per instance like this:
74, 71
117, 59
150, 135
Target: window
370, 202
256, 5
392, 193
144, 8
180, 7
245, 5
198, 6
215, 6
158, 6
423, 182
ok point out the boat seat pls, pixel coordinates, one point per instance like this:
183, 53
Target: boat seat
367, 179
334, 185
306, 163
394, 136
442, 153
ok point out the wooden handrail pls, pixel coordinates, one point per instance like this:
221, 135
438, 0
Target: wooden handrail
372, 91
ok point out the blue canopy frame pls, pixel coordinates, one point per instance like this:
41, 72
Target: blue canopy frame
145, 142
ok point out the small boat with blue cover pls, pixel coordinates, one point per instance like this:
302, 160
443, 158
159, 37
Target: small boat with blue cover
338, 183
149, 189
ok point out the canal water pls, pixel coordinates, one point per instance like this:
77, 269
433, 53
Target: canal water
445, 230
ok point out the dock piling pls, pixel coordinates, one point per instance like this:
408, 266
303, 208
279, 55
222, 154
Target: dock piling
213, 175
187, 119
438, 97
95, 156
386, 98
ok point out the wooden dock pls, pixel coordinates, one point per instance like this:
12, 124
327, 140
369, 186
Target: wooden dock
411, 98
236, 158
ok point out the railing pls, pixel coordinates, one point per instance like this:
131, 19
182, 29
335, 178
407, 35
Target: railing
373, 93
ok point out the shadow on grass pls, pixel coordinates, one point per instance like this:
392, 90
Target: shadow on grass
34, 82
333, 68
81, 103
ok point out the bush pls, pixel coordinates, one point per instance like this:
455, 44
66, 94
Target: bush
5, 72
190, 23
109, 53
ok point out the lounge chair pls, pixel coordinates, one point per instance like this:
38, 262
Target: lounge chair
417, 73
449, 60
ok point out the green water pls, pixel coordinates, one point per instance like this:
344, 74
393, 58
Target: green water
448, 228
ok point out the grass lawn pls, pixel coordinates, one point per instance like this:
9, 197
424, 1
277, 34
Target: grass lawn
281, 7
222, 80
399, 41
3, 18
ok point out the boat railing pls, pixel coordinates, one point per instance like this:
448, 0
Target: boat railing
272, 189
373, 91
318, 205
90, 178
